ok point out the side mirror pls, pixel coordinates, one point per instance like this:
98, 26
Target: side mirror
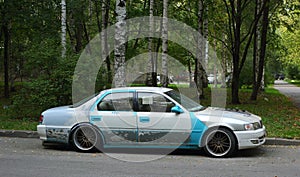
176, 109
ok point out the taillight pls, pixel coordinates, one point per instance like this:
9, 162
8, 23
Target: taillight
41, 119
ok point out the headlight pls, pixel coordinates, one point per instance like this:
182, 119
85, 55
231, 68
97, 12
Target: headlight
252, 126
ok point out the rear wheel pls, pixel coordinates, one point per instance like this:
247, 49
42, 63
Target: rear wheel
86, 138
219, 142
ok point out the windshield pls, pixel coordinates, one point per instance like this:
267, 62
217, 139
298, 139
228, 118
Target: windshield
186, 102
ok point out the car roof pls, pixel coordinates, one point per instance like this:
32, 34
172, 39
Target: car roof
149, 89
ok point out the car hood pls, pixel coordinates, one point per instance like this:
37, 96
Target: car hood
241, 115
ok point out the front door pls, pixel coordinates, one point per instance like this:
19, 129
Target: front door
157, 125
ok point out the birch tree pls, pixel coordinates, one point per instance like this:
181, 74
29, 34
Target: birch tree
164, 75
63, 28
151, 74
120, 40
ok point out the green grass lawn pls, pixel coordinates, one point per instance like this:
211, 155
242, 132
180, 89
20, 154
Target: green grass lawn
10, 123
295, 82
280, 116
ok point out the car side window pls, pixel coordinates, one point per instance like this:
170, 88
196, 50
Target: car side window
116, 102
153, 102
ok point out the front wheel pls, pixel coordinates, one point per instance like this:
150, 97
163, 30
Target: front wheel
85, 138
219, 142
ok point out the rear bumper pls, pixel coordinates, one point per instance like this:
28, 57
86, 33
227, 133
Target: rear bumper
251, 139
41, 129
54, 133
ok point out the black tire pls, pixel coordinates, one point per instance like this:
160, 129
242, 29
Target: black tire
86, 138
219, 142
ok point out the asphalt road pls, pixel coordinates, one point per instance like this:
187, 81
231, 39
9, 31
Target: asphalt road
289, 90
26, 157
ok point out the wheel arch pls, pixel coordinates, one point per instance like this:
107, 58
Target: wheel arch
202, 141
86, 124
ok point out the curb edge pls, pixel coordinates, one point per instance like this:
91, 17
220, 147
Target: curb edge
19, 134
34, 134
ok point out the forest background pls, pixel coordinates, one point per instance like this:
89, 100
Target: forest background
41, 42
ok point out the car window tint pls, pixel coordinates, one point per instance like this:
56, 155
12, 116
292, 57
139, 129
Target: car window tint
153, 102
116, 102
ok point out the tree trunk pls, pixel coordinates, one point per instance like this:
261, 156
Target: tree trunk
6, 59
224, 65
205, 46
238, 49
151, 65
256, 49
87, 37
155, 58
236, 54
120, 40
199, 71
78, 35
105, 55
264, 32
190, 73
63, 28
164, 75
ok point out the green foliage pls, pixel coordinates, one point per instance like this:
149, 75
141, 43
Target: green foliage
246, 78
45, 91
292, 72
269, 78
295, 82
35, 47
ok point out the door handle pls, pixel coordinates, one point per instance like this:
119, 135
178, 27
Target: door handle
144, 119
96, 118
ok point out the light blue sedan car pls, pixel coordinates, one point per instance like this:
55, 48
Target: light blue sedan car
150, 117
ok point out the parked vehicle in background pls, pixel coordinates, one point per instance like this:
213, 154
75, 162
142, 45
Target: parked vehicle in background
210, 78
279, 76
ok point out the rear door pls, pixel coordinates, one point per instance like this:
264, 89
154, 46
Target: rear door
115, 116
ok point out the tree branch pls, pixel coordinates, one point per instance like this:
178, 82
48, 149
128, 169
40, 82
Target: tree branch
229, 24
254, 22
220, 40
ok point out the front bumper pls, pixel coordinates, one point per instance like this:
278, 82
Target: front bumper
41, 129
251, 139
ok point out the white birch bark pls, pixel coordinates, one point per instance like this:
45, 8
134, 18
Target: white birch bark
205, 35
205, 44
164, 75
63, 28
103, 32
120, 41
257, 43
151, 63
